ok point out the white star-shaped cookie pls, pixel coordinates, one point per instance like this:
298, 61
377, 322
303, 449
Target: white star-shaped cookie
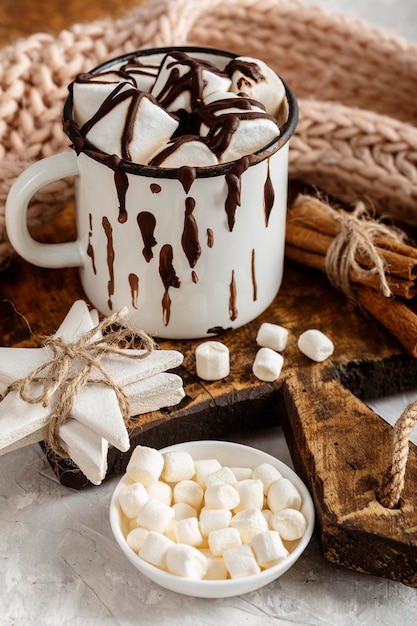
96, 419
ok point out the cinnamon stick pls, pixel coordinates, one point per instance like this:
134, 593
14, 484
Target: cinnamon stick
399, 319
306, 238
399, 287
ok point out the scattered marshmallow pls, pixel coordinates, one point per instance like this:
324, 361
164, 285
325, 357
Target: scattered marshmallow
188, 531
268, 548
203, 468
182, 510
315, 345
145, 465
223, 539
251, 494
223, 475
155, 515
186, 561
189, 492
155, 547
267, 473
240, 561
177, 466
221, 496
249, 523
161, 491
272, 336
136, 538
212, 360
213, 519
283, 494
289, 523
132, 498
267, 365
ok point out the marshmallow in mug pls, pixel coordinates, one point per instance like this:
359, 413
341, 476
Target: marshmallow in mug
183, 111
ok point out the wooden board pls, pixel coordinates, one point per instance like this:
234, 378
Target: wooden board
338, 445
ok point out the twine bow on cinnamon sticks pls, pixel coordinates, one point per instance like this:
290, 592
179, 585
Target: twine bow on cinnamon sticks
71, 367
366, 259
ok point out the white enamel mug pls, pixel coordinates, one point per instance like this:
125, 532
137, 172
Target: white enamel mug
189, 257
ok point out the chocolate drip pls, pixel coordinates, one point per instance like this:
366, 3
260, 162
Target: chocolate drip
189, 239
233, 312
106, 78
186, 175
210, 238
134, 289
194, 277
253, 273
233, 181
192, 80
122, 183
90, 249
147, 222
247, 68
169, 279
269, 196
155, 188
110, 259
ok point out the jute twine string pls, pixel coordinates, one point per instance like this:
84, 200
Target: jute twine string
70, 368
393, 483
358, 231
356, 136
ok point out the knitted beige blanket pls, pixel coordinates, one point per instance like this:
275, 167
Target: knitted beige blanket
356, 87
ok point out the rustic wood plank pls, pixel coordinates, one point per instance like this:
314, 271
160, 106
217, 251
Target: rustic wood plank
338, 445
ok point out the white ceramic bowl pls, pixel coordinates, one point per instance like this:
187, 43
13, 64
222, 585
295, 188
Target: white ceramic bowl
235, 455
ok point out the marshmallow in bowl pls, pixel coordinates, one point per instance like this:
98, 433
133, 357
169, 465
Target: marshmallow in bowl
268, 548
155, 547
177, 466
283, 494
246, 515
249, 523
240, 561
289, 523
145, 465
184, 560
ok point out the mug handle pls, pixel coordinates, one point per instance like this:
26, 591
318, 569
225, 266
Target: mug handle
24, 187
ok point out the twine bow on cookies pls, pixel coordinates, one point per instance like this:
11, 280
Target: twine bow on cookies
73, 365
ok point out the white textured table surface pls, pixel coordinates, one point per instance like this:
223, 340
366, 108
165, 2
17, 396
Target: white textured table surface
59, 563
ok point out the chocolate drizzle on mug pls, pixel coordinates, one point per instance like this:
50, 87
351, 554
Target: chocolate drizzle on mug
169, 279
90, 249
134, 289
269, 196
233, 181
210, 237
189, 240
253, 274
233, 312
110, 259
186, 175
147, 222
